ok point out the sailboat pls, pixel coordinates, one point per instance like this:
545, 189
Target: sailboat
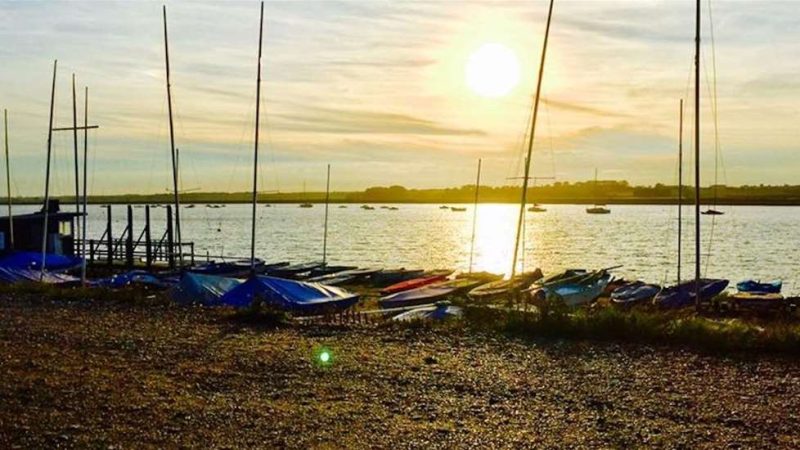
597, 208
305, 204
698, 290
517, 283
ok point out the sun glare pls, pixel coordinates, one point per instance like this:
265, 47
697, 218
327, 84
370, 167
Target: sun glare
492, 70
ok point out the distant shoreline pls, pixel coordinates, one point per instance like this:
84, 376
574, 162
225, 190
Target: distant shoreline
577, 202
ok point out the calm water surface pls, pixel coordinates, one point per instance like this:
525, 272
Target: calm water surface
748, 241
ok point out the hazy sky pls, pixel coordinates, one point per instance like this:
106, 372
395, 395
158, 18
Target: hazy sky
377, 89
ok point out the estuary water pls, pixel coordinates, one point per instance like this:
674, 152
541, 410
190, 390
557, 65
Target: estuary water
747, 242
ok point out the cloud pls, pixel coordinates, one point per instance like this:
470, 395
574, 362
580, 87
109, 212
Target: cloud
575, 107
342, 121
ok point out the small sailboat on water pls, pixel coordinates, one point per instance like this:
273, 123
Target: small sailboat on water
597, 208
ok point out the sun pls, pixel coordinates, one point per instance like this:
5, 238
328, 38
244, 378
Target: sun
492, 70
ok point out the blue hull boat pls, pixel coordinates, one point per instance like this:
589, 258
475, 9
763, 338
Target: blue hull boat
438, 312
752, 286
579, 292
11, 275
290, 295
683, 294
633, 293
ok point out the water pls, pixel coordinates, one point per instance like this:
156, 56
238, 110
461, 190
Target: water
748, 241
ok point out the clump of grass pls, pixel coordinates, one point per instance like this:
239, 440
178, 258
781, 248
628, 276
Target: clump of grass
682, 328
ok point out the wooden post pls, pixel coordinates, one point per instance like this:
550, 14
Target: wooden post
129, 240
148, 249
110, 241
170, 249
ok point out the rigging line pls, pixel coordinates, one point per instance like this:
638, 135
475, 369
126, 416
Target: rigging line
710, 242
715, 99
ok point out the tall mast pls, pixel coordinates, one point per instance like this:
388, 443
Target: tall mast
255, 151
85, 175
697, 157
680, 189
75, 145
524, 197
8, 182
172, 147
475, 215
325, 234
46, 208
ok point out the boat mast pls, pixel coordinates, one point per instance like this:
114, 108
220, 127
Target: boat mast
85, 174
172, 147
524, 196
325, 233
75, 146
697, 156
8, 182
255, 149
475, 215
680, 188
46, 208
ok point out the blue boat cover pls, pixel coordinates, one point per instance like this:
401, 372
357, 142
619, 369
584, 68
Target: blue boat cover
139, 277
772, 287
290, 295
33, 260
12, 275
438, 312
206, 290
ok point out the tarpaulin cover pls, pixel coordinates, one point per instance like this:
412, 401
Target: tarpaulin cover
139, 277
12, 275
204, 289
33, 260
290, 295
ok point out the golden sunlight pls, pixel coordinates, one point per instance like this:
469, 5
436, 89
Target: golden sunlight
492, 70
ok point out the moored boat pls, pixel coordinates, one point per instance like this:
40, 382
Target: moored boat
438, 312
293, 270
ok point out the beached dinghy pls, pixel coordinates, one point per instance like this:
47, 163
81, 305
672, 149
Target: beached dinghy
345, 277
634, 293
328, 269
387, 277
683, 294
294, 271
772, 287
234, 269
502, 288
578, 292
426, 279
290, 295
438, 312
563, 277
430, 294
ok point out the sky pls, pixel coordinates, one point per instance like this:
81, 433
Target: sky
378, 90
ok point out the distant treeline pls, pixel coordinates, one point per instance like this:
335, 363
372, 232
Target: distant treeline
609, 192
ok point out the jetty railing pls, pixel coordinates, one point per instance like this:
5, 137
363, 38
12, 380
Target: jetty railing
108, 250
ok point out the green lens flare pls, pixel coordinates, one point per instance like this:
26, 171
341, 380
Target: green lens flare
324, 357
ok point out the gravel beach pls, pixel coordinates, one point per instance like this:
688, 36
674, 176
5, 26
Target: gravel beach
92, 374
